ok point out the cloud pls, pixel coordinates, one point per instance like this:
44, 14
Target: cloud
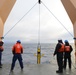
27, 29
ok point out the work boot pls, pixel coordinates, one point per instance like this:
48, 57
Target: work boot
0, 66
21, 69
59, 71
11, 70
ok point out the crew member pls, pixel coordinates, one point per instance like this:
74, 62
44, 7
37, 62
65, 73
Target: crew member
59, 49
17, 50
67, 54
1, 50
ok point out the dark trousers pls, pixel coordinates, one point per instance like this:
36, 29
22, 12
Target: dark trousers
60, 61
15, 57
69, 62
0, 57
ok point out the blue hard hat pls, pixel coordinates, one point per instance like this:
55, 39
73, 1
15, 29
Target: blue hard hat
66, 40
19, 41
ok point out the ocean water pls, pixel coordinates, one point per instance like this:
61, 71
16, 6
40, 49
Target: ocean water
29, 50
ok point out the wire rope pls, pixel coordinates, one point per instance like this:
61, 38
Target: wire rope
39, 46
39, 20
20, 20
39, 27
57, 19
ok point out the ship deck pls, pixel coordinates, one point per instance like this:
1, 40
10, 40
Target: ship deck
35, 69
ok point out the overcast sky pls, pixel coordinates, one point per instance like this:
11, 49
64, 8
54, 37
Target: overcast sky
54, 22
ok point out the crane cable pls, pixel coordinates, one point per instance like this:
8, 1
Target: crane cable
57, 19
39, 27
39, 20
39, 46
20, 19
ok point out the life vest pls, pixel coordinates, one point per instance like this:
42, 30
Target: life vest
1, 48
67, 48
62, 48
17, 48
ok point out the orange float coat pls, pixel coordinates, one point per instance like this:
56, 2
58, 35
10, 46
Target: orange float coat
62, 48
17, 48
1, 48
67, 48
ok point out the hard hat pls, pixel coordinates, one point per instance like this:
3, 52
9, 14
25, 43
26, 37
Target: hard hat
19, 41
59, 40
66, 40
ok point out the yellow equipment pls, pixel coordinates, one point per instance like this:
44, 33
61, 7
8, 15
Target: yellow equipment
38, 55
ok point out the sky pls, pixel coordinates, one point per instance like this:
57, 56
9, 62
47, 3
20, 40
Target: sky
52, 25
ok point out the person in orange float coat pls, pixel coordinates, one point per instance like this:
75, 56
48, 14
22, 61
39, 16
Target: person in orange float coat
17, 50
59, 49
67, 54
1, 50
